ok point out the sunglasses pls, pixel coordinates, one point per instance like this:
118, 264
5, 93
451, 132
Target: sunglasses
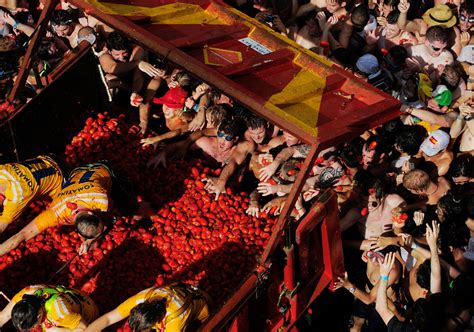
375, 256
228, 138
436, 49
466, 19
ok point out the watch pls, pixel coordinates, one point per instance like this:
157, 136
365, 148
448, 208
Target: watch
352, 290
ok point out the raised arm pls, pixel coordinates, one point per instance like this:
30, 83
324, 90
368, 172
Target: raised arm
381, 299
6, 313
432, 240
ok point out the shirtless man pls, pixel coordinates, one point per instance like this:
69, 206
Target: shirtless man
431, 54
64, 26
418, 182
118, 60
227, 150
433, 149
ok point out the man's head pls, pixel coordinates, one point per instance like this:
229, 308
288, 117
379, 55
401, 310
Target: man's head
423, 274
441, 99
409, 139
373, 151
392, 30
175, 98
436, 40
435, 143
466, 15
360, 17
146, 315
290, 140
450, 77
451, 207
395, 60
47, 50
215, 115
227, 134
28, 312
388, 6
119, 46
417, 181
333, 6
257, 128
62, 23
367, 65
88, 224
462, 169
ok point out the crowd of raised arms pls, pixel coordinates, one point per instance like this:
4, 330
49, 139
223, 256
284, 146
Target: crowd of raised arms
404, 189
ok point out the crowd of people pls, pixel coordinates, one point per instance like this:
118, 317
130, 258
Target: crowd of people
404, 189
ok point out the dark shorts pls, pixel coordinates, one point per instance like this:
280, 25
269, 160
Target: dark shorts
374, 322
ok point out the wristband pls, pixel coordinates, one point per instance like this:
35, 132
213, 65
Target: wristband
460, 117
384, 278
196, 108
352, 290
324, 44
414, 246
15, 25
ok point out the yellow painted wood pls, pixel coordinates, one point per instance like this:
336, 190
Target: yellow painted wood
174, 13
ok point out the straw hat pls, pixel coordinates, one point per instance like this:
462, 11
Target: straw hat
440, 15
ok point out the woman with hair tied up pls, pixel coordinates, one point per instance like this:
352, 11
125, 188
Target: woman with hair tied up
172, 308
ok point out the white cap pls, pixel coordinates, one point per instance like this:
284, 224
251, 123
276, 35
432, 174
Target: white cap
435, 143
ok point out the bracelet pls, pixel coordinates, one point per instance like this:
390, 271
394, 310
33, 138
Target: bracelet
414, 246
352, 290
324, 44
459, 117
384, 278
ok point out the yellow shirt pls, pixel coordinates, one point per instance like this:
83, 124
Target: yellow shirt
66, 310
198, 310
27, 181
86, 187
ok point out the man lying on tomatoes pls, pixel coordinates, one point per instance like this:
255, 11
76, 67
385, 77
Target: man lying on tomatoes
83, 202
49, 308
22, 183
173, 308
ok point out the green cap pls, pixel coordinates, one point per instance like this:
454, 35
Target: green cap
445, 98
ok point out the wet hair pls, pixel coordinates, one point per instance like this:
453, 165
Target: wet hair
43, 50
25, 313
423, 274
116, 41
183, 79
390, 129
351, 153
364, 180
344, 56
390, 248
398, 54
409, 139
360, 16
61, 17
147, 314
23, 17
450, 77
462, 166
87, 225
392, 3
392, 17
453, 234
216, 113
453, 207
9, 63
229, 127
416, 180
437, 33
255, 122
422, 316
468, 7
